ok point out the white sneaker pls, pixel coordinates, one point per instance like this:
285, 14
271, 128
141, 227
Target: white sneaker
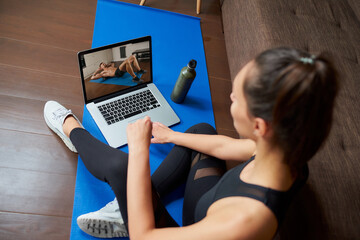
104, 223
55, 114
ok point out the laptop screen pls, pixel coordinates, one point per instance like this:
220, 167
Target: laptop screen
116, 67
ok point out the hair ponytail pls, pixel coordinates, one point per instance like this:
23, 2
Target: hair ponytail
295, 93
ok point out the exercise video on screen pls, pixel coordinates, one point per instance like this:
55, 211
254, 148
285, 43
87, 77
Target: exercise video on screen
117, 68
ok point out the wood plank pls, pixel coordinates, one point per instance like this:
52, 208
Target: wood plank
212, 29
37, 85
216, 48
222, 90
22, 114
36, 192
14, 226
210, 10
36, 152
223, 117
38, 57
216, 58
220, 94
229, 133
217, 68
64, 24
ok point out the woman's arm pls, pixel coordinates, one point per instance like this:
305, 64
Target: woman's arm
139, 196
97, 76
98, 70
248, 221
219, 146
234, 218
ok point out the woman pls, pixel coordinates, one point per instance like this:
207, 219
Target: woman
109, 70
282, 102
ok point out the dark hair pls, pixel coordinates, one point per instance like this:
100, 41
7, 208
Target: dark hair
294, 92
106, 64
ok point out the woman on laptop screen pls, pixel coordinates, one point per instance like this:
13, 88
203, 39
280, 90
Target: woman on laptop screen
128, 65
282, 103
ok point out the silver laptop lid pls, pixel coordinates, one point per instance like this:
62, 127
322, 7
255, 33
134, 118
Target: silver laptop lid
107, 71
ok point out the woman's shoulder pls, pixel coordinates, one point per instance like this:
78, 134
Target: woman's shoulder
245, 217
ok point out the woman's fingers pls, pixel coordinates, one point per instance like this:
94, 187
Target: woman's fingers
139, 132
160, 133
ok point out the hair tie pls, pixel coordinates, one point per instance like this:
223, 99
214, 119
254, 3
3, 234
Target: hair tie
308, 60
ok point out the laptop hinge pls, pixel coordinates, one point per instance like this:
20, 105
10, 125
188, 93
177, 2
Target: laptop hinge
112, 95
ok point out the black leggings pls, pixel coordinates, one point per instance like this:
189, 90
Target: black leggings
201, 172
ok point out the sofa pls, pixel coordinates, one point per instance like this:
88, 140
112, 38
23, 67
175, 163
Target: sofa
328, 207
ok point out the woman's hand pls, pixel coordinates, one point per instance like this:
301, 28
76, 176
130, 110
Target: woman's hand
139, 134
161, 133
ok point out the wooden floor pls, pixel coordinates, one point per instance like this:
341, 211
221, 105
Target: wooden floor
39, 40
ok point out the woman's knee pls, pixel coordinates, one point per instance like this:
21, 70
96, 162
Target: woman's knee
202, 128
131, 58
116, 167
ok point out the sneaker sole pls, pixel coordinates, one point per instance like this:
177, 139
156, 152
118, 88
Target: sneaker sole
67, 142
101, 228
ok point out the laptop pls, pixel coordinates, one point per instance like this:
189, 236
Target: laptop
117, 82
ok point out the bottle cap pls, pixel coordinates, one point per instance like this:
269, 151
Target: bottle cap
192, 64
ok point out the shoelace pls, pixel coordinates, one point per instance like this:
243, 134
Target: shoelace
60, 113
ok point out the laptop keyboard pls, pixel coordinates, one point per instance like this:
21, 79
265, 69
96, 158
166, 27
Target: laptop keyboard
129, 106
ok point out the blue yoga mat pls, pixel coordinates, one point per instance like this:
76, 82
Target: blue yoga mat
125, 80
176, 39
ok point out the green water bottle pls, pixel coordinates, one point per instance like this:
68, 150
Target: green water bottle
184, 81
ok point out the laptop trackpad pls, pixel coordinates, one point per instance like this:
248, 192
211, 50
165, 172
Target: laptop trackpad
135, 119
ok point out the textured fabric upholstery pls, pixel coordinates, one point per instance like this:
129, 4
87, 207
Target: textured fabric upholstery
329, 206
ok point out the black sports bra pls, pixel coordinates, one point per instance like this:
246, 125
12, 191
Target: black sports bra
231, 185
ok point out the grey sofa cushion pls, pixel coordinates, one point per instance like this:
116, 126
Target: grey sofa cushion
329, 206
